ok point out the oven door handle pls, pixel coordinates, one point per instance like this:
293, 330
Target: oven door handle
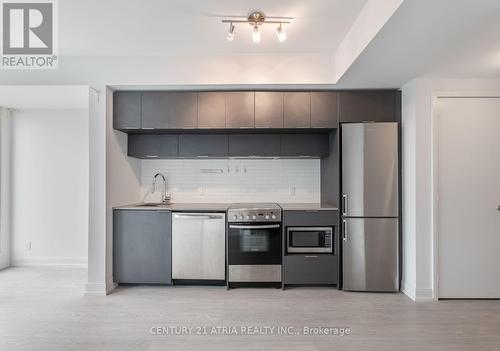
272, 226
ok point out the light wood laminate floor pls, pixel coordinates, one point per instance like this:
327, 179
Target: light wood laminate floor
43, 309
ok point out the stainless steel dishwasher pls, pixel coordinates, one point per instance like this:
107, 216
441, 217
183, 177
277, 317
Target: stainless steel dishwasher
199, 246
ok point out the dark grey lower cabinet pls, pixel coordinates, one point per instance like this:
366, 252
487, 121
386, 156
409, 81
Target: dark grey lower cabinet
310, 269
142, 246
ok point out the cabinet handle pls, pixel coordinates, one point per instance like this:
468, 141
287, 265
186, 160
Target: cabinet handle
147, 128
152, 156
202, 156
311, 256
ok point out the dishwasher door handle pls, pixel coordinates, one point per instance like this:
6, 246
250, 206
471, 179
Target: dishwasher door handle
198, 216
254, 226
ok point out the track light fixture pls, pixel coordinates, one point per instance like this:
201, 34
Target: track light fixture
257, 19
230, 33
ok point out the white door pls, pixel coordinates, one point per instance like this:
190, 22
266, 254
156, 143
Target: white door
468, 180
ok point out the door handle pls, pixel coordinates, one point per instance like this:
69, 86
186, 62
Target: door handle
345, 230
344, 204
310, 256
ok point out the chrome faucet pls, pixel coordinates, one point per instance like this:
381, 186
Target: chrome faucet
164, 198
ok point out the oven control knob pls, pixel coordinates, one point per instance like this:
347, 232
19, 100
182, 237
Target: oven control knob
248, 217
273, 216
235, 217
241, 217
253, 217
267, 216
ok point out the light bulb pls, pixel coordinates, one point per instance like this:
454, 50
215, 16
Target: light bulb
230, 33
281, 34
256, 34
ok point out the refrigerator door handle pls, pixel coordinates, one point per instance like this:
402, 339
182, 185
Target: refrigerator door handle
344, 204
344, 237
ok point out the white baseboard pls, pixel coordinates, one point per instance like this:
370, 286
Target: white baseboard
49, 261
417, 295
98, 289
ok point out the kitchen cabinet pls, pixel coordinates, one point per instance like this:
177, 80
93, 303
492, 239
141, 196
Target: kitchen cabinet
268, 109
203, 145
368, 106
152, 145
254, 145
142, 246
183, 110
126, 110
155, 106
212, 110
310, 269
305, 145
324, 109
311, 218
240, 108
297, 110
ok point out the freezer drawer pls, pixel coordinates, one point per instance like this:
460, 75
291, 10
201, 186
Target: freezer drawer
310, 269
370, 254
370, 170
199, 246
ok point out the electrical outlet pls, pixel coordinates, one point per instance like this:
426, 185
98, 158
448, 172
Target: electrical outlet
27, 245
291, 191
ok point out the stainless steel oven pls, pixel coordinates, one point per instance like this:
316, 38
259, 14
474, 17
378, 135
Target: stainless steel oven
254, 244
309, 239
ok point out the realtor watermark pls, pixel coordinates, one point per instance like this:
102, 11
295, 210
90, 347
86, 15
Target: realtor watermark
28, 35
248, 330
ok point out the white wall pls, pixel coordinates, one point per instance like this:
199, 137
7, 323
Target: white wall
5, 187
239, 180
50, 186
418, 275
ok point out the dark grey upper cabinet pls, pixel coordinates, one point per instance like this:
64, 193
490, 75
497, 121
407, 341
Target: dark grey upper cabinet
364, 106
268, 109
297, 110
324, 109
203, 145
183, 110
155, 107
152, 146
305, 145
240, 108
142, 247
212, 110
126, 110
254, 145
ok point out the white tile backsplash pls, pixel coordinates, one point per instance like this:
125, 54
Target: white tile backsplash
236, 180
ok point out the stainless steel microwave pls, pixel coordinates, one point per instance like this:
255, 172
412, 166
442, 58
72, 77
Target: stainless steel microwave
309, 239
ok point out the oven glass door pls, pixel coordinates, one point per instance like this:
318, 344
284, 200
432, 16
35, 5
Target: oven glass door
309, 240
254, 244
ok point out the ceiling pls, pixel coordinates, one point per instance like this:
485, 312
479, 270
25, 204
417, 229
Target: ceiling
159, 27
433, 39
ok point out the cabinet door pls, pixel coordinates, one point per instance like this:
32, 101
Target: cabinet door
368, 106
240, 109
126, 110
254, 145
305, 145
155, 107
183, 111
310, 269
203, 145
324, 110
152, 146
297, 110
142, 247
212, 110
268, 109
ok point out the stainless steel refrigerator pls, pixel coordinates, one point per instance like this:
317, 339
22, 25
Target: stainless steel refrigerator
370, 209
